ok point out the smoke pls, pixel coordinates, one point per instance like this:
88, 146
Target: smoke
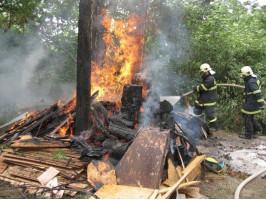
20, 58
162, 63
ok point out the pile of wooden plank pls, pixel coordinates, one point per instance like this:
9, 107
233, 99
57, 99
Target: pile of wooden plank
139, 174
180, 184
33, 167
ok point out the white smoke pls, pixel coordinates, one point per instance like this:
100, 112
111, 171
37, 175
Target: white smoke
20, 58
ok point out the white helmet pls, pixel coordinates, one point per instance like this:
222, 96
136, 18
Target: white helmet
246, 70
206, 68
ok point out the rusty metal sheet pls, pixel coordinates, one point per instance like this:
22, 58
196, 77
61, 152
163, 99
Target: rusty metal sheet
143, 163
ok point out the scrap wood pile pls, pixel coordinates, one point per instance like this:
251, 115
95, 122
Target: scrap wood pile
33, 169
145, 171
42, 145
142, 172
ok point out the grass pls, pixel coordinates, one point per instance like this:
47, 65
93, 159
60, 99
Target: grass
59, 155
2, 147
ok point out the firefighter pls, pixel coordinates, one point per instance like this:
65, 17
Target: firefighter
254, 102
206, 100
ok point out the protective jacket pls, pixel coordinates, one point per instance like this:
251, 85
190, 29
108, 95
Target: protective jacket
253, 95
207, 91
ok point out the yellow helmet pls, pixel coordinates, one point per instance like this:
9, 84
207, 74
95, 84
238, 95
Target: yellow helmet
246, 70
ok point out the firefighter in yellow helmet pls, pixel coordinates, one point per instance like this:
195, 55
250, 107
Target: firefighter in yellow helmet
254, 101
207, 98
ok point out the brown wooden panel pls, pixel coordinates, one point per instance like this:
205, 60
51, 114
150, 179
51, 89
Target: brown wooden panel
142, 165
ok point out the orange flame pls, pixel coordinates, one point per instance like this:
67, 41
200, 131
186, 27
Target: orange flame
28, 115
63, 131
122, 58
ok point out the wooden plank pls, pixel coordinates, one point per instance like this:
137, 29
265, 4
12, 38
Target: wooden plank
32, 144
194, 173
179, 171
64, 172
100, 173
183, 185
123, 192
48, 175
143, 163
172, 174
194, 193
25, 173
48, 162
154, 194
182, 196
3, 166
194, 163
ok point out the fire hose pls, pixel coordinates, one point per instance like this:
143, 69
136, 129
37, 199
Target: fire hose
238, 189
221, 85
218, 84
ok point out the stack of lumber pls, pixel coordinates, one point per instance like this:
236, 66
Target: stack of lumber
34, 167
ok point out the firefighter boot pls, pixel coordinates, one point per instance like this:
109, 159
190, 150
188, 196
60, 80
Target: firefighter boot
247, 136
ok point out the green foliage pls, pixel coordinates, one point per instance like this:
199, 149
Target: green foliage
16, 14
228, 36
2, 147
59, 155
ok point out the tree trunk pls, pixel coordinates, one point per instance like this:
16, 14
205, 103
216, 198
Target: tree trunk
83, 67
98, 44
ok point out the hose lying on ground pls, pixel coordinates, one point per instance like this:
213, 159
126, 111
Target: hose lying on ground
238, 189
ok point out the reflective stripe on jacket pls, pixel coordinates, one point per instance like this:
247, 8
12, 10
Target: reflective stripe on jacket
207, 91
253, 95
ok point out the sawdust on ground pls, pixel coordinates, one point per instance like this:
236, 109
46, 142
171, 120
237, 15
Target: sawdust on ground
223, 186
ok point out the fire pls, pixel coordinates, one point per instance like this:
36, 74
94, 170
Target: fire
122, 58
68, 128
28, 115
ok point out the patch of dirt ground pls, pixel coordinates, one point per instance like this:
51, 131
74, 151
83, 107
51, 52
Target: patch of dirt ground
221, 146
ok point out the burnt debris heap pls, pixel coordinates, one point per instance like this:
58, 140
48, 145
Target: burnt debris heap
169, 135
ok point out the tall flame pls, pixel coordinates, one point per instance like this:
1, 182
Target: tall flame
122, 58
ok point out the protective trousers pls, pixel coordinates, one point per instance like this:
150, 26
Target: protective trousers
210, 113
251, 125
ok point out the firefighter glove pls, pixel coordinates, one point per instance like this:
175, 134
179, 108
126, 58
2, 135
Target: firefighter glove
194, 88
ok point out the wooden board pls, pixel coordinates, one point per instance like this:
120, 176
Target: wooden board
3, 166
192, 165
123, 192
100, 173
192, 192
195, 173
172, 174
48, 175
37, 143
142, 165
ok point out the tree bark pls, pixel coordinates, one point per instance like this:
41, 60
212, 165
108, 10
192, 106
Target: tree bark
83, 67
98, 44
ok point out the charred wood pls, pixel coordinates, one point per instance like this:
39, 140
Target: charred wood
88, 152
116, 150
119, 120
131, 101
110, 107
122, 132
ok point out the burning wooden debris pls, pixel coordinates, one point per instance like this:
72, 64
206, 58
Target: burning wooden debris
159, 159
